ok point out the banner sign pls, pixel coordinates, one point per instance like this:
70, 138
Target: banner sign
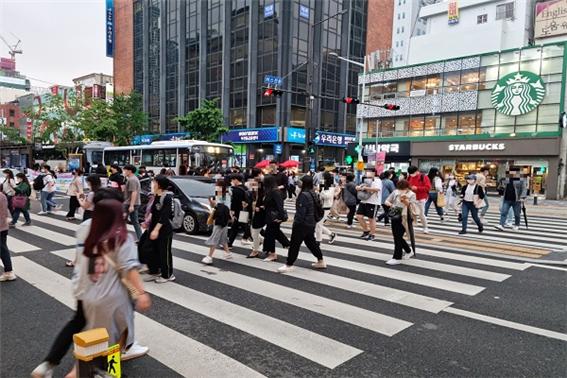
453, 12
261, 135
110, 28
324, 138
550, 19
295, 135
278, 148
269, 10
304, 11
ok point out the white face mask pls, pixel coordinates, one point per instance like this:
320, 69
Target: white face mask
471, 182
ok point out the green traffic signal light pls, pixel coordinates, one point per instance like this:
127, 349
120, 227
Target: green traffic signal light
349, 159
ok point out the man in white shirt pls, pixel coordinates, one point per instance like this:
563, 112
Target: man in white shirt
48, 191
371, 187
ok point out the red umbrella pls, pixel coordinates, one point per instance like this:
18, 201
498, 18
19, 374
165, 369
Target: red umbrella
289, 164
263, 164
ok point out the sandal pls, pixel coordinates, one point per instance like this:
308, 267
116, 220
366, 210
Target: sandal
69, 264
253, 255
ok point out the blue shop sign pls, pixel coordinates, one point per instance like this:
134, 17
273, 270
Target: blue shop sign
278, 148
261, 135
295, 135
324, 138
110, 28
149, 138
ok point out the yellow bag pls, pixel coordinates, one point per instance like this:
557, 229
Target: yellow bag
441, 202
211, 219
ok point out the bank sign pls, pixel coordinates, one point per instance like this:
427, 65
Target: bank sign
261, 135
324, 138
518, 93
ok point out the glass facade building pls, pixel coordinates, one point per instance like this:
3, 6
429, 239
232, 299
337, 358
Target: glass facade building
189, 50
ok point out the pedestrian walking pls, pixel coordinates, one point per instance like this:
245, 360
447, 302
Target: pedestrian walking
370, 200
303, 229
473, 200
326, 195
258, 214
47, 190
403, 207
435, 193
132, 202
388, 188
481, 181
8, 187
116, 178
21, 200
87, 202
420, 185
75, 191
221, 218
514, 192
8, 274
240, 208
350, 198
161, 229
452, 193
291, 187
275, 215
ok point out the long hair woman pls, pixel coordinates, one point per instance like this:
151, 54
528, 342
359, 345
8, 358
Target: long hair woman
403, 204
75, 191
327, 195
436, 189
275, 215
87, 203
23, 188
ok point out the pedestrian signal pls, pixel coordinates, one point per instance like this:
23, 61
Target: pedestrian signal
349, 159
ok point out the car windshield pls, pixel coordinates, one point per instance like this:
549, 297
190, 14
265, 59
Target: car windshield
195, 188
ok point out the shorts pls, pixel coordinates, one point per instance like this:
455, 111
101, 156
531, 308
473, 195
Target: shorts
218, 237
367, 209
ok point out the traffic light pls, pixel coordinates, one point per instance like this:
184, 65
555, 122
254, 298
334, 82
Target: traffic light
310, 148
391, 107
349, 159
269, 92
351, 100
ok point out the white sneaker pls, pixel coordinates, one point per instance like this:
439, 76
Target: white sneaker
228, 256
333, 238
43, 370
285, 269
208, 260
135, 351
515, 228
507, 225
245, 242
161, 280
43, 213
408, 256
7, 276
151, 277
499, 227
319, 265
394, 262
426, 230
349, 226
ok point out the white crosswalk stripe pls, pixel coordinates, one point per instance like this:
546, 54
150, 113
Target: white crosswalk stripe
450, 274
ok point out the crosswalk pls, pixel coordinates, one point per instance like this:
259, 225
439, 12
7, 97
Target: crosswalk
324, 319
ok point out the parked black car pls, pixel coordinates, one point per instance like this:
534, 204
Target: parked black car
193, 192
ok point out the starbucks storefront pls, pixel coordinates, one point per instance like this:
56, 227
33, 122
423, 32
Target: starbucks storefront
538, 158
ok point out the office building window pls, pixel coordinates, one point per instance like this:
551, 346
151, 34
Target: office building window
505, 11
404, 15
402, 29
482, 19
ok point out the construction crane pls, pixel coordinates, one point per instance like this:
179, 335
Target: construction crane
13, 48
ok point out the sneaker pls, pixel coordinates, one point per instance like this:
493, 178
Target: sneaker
27, 224
408, 256
7, 276
515, 228
349, 226
135, 351
12, 225
245, 242
394, 262
370, 237
228, 256
499, 227
285, 269
208, 260
43, 213
161, 280
426, 230
43, 370
151, 277
508, 225
480, 229
333, 237
321, 264
364, 234
462, 232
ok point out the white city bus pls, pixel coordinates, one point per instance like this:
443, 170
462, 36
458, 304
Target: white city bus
171, 154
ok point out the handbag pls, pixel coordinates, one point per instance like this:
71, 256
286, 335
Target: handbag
19, 201
441, 200
395, 214
211, 218
478, 202
243, 217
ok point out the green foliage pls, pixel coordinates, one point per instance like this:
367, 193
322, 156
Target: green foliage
57, 121
205, 123
11, 135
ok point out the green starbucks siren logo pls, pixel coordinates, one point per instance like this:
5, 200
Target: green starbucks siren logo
518, 93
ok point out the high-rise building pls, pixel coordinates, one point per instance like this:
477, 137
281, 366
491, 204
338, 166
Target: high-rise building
187, 51
406, 23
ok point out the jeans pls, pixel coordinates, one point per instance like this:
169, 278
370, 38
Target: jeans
299, 234
5, 252
484, 210
65, 337
470, 207
16, 215
400, 244
432, 199
351, 212
135, 222
47, 200
506, 205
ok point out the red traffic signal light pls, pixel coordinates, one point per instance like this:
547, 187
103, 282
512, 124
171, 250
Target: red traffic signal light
351, 100
269, 92
391, 107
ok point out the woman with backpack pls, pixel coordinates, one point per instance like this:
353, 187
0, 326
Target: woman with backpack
350, 199
8, 187
308, 212
21, 200
75, 191
403, 207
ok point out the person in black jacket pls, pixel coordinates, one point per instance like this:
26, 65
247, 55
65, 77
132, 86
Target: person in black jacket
161, 230
239, 202
303, 229
275, 215
258, 213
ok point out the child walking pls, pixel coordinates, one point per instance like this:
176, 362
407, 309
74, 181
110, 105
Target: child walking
219, 237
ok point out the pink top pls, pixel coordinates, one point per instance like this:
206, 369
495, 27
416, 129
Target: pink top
4, 213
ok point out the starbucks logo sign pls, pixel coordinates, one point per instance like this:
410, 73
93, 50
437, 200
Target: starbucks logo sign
518, 93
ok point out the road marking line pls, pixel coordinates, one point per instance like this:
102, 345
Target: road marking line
317, 348
53, 236
169, 347
17, 246
507, 324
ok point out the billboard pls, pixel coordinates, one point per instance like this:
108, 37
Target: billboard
110, 28
265, 134
550, 19
453, 12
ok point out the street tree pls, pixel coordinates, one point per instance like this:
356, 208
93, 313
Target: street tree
11, 135
205, 122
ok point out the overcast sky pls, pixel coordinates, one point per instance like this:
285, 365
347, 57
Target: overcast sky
61, 39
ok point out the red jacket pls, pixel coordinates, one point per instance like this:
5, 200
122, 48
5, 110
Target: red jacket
421, 181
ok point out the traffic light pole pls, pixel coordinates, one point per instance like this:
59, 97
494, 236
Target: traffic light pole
360, 119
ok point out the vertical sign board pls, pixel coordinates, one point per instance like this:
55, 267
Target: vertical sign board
110, 28
453, 12
269, 10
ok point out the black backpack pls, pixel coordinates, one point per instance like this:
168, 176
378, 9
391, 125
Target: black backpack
318, 211
38, 183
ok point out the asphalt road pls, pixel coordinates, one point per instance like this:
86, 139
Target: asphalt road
446, 314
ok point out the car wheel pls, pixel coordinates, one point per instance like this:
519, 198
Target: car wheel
190, 224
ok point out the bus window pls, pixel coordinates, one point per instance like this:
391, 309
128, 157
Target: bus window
119, 157
148, 158
136, 157
157, 158
170, 158
96, 156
